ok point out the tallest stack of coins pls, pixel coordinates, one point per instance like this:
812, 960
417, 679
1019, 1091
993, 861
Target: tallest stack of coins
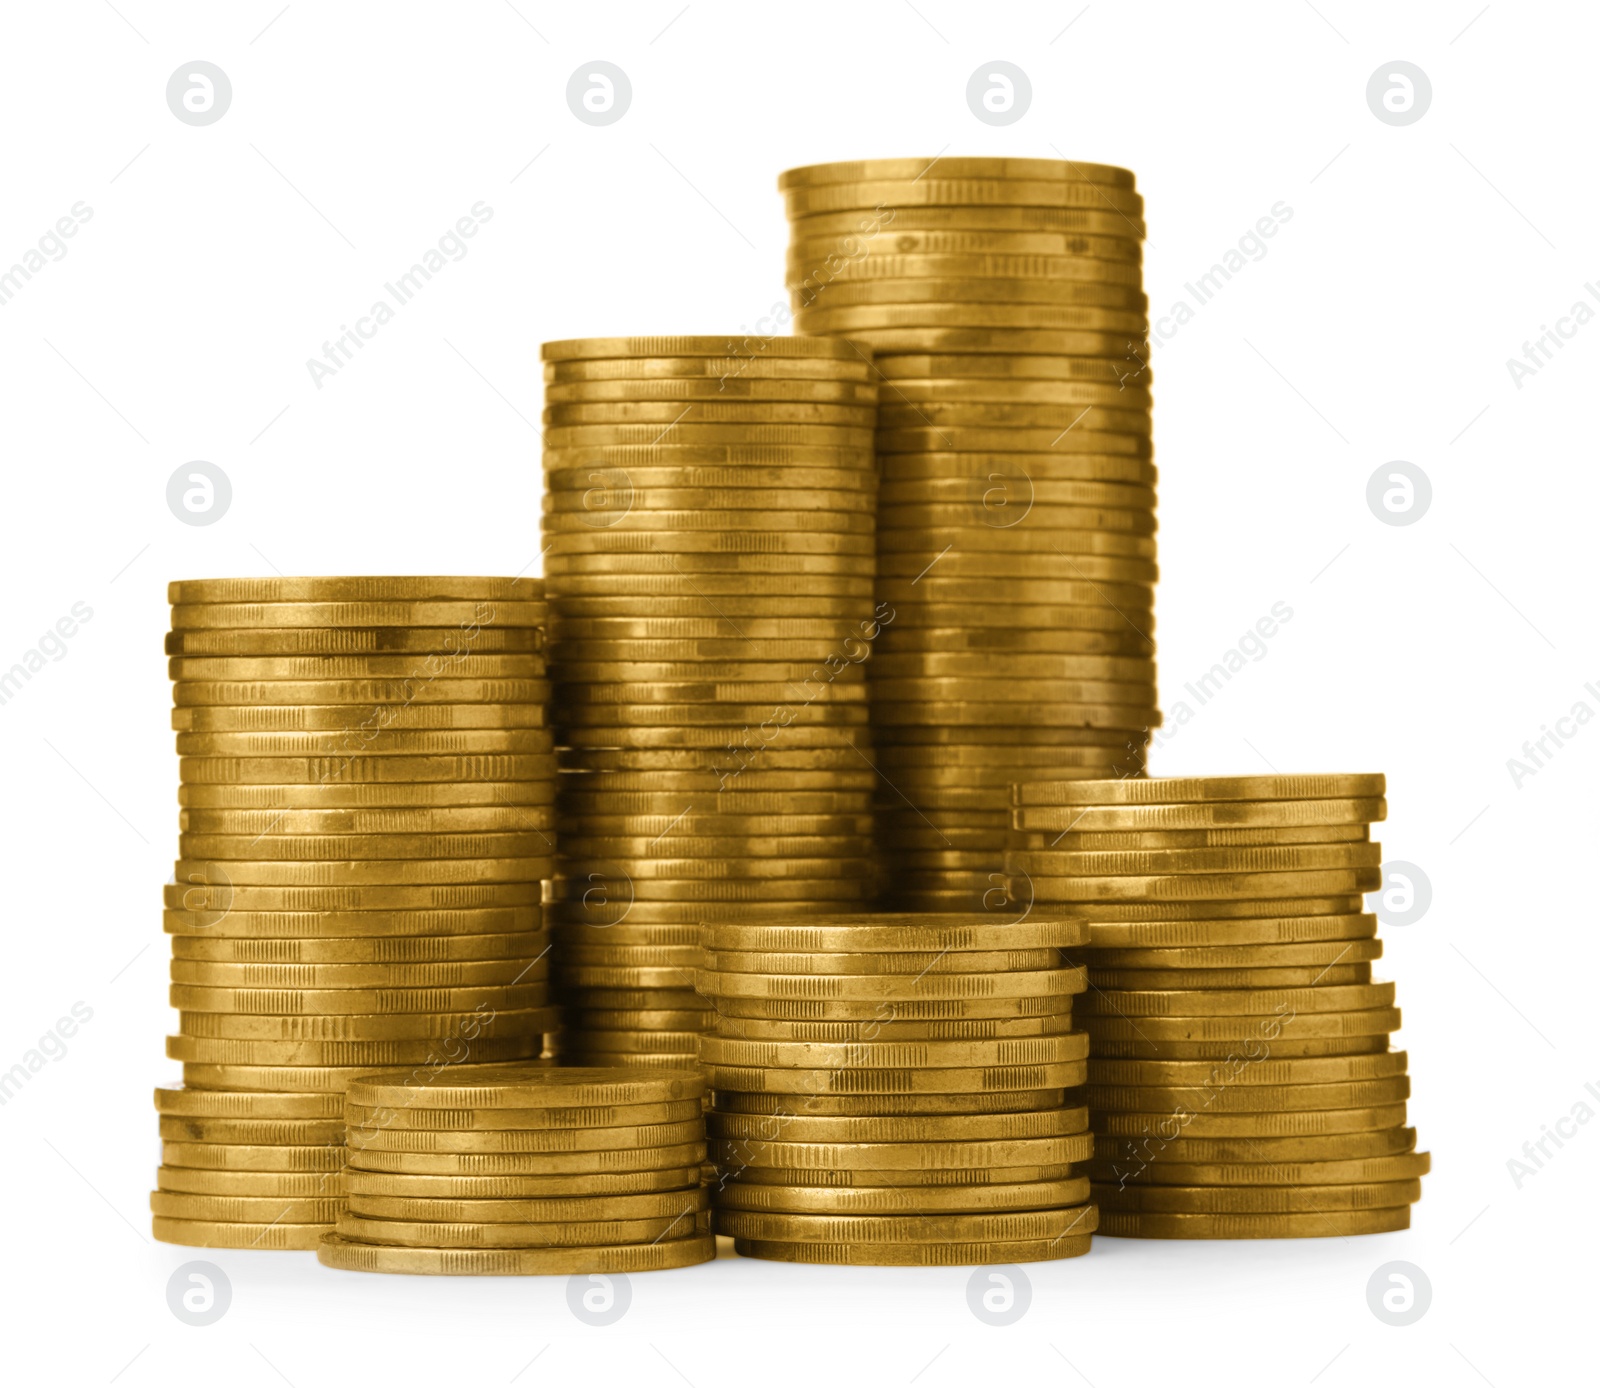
709, 554
1241, 1083
1002, 301
367, 785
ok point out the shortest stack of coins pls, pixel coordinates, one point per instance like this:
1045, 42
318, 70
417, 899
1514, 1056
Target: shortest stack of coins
889, 1090
493, 1170
242, 1170
1241, 1083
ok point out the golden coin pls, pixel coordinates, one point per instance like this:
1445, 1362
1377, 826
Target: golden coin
528, 1086
1198, 932
224, 1156
1009, 390
849, 987
501, 1120
1012, 473
700, 388
209, 890
349, 850
526, 1163
401, 1233
520, 795
903, 1131
1217, 815
916, 190
916, 1254
1123, 840
1119, 418
902, 1200
1262, 1175
368, 1054
377, 820
370, 872
881, 282
888, 1028
821, 1178
987, 217
360, 692
1263, 1153
466, 616
947, 1080
1129, 350
1249, 1069
628, 829
212, 1104
915, 1010
897, 934
860, 170
670, 413
855, 457
322, 1079
1225, 957
364, 1138
1137, 1225
246, 1209
1279, 1017
1263, 1125
590, 348
742, 360
944, 961
889, 1105
535, 1213
336, 1252
292, 1185
813, 256
361, 589
574, 437
351, 1001
445, 643
484, 1020
675, 1181
355, 742
290, 1131
1206, 886
870, 319
726, 672
455, 974
733, 1052
1261, 1200
198, 1233
1249, 1098
1227, 1048
316, 669
357, 929
759, 606
1177, 790
1308, 977
1237, 1002
329, 772
907, 1229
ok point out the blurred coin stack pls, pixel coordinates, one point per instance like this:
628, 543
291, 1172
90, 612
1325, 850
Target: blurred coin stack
1241, 1083
889, 1089
503, 1169
708, 524
1003, 305
367, 782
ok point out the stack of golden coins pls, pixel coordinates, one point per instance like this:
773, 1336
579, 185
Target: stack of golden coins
1002, 301
1241, 1083
889, 1089
708, 525
367, 791
502, 1169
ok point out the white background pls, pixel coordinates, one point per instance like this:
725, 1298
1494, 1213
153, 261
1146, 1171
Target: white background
1378, 326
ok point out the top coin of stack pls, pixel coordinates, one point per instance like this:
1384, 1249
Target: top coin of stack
709, 528
1002, 301
1240, 1080
889, 1089
367, 784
